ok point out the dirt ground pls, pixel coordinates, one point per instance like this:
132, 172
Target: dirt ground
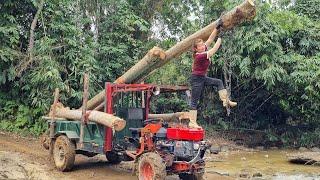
25, 158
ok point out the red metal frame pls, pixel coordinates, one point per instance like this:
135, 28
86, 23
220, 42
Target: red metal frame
146, 132
145, 140
108, 109
111, 90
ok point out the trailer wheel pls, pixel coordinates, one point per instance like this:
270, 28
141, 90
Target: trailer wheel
63, 153
151, 167
186, 176
113, 157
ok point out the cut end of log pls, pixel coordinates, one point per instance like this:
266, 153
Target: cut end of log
119, 124
59, 105
251, 2
162, 55
120, 80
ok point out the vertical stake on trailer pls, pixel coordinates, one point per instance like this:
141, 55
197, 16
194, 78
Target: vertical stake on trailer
143, 103
84, 107
53, 118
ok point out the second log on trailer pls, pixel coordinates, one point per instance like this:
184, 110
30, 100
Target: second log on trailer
102, 118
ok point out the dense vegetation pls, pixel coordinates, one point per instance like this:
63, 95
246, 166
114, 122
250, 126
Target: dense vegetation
275, 59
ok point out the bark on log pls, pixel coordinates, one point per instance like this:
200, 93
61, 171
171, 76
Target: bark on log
170, 116
105, 119
155, 55
147, 65
136, 72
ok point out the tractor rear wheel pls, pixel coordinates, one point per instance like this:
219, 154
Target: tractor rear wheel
113, 157
186, 176
151, 167
64, 153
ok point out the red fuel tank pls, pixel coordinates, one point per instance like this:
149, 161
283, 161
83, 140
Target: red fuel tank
185, 134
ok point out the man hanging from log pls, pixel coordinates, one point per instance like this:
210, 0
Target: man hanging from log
246, 11
199, 78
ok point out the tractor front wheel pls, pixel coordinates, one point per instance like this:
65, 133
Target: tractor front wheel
186, 176
151, 167
63, 153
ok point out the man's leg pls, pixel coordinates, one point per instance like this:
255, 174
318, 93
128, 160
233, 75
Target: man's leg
221, 90
197, 85
214, 82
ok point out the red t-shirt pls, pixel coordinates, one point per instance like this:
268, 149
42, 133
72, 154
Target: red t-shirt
200, 63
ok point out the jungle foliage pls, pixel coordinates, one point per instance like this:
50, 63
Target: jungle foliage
274, 60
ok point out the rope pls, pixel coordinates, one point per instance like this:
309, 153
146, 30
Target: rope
227, 79
227, 72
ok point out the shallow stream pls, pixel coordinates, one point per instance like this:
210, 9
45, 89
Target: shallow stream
271, 164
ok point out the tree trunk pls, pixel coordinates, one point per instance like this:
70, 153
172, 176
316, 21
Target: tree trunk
153, 61
23, 65
105, 119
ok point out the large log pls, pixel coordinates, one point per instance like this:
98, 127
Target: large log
105, 119
146, 66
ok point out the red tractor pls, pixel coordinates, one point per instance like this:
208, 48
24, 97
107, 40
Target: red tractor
158, 148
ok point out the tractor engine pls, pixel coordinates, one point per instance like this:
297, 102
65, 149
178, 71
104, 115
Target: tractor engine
183, 143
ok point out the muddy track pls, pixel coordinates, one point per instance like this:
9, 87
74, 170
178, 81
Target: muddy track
25, 158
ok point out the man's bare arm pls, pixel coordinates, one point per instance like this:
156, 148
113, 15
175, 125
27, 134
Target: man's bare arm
215, 48
211, 37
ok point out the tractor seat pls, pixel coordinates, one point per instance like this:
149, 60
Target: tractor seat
135, 130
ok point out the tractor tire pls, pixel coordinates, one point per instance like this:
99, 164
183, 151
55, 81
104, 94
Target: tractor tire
151, 167
113, 157
64, 153
186, 176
